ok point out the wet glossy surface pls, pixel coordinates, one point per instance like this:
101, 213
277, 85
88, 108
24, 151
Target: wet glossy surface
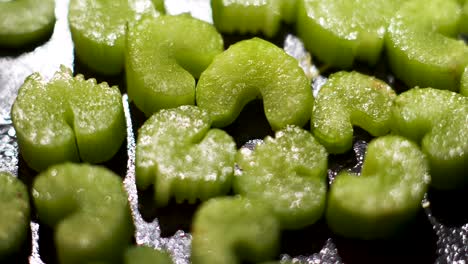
439, 234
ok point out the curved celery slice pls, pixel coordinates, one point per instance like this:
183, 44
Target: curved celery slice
227, 230
347, 99
438, 120
339, 32
178, 152
87, 207
387, 194
14, 212
247, 16
253, 69
98, 29
145, 255
67, 119
288, 173
25, 21
164, 56
419, 47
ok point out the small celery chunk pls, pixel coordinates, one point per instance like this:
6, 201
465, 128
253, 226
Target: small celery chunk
67, 119
87, 207
347, 99
419, 47
164, 56
248, 16
464, 83
98, 29
339, 32
145, 255
288, 173
252, 69
14, 212
385, 197
230, 229
23, 22
438, 120
178, 152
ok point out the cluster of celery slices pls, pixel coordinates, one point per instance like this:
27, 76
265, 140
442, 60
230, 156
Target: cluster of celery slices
179, 75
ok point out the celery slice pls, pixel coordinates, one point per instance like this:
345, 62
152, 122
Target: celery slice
14, 212
178, 152
67, 119
287, 173
347, 99
87, 207
421, 47
98, 29
438, 120
385, 197
23, 22
252, 69
227, 230
164, 56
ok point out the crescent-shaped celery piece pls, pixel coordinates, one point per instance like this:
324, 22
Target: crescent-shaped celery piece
464, 83
87, 206
351, 99
164, 56
67, 119
385, 197
146, 255
421, 47
248, 16
338, 32
288, 173
98, 29
438, 120
14, 212
252, 69
178, 152
23, 22
228, 230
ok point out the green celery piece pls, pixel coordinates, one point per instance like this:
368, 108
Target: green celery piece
178, 152
227, 230
23, 22
288, 173
252, 69
464, 83
385, 197
14, 212
247, 16
145, 255
164, 56
438, 120
87, 206
98, 29
67, 119
339, 32
347, 99
420, 49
